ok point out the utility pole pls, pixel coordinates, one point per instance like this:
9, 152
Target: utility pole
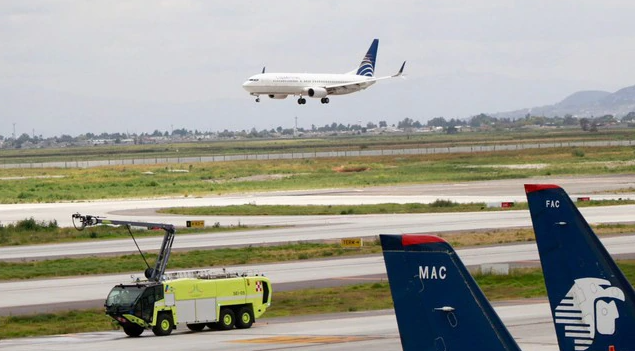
295, 127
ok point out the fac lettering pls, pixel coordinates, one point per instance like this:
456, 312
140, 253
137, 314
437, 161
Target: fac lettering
552, 204
432, 272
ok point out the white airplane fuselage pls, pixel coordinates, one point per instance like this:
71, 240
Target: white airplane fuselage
280, 85
317, 85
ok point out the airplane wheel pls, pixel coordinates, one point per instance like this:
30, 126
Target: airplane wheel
300, 101
326, 100
322, 100
257, 99
303, 101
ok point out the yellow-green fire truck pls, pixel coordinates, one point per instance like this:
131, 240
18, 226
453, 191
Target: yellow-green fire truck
194, 299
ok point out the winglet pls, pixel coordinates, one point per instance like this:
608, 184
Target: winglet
400, 73
263, 69
592, 302
438, 304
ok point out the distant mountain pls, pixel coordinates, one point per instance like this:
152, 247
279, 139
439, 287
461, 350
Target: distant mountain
583, 104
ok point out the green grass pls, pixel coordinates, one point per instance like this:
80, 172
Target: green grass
30, 231
338, 143
520, 284
207, 179
178, 260
386, 208
253, 255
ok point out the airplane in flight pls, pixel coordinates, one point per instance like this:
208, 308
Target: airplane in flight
438, 304
592, 303
317, 85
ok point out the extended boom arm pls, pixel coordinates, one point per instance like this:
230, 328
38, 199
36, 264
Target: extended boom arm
155, 274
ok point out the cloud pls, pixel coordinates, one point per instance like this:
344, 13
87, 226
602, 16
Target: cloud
104, 57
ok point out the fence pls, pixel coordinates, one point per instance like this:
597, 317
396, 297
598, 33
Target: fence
315, 154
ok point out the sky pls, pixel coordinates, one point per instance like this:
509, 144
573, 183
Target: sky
73, 66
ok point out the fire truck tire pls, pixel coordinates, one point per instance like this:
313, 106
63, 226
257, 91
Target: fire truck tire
245, 318
164, 325
227, 319
197, 327
133, 330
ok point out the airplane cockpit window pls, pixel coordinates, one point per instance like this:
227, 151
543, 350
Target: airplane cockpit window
253, 80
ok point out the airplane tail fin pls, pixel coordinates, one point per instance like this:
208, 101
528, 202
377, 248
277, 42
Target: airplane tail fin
592, 302
367, 66
438, 304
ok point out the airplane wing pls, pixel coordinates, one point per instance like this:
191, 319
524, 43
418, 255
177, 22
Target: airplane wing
357, 84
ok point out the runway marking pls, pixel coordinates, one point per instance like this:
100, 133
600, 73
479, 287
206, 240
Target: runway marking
304, 339
372, 279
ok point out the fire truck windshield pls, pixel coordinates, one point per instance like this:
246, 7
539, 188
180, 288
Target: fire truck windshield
124, 296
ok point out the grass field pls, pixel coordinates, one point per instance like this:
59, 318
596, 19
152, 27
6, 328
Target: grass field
520, 284
208, 179
338, 143
392, 208
30, 231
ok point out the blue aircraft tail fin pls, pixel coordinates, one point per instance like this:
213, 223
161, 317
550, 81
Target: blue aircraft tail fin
367, 66
591, 300
438, 304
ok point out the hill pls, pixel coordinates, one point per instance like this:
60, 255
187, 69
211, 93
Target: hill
588, 103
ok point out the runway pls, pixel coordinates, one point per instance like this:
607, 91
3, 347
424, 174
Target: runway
530, 324
43, 295
305, 228
368, 331
597, 187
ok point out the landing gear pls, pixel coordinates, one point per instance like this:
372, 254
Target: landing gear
258, 99
301, 101
324, 100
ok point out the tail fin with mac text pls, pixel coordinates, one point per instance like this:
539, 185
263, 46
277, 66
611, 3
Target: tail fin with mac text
438, 304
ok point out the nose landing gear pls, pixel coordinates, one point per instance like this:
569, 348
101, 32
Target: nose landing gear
301, 101
257, 98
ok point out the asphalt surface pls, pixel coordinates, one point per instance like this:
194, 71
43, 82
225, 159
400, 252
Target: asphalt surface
530, 324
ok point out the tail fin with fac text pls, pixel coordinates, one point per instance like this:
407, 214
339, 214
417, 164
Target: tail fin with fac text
438, 304
592, 302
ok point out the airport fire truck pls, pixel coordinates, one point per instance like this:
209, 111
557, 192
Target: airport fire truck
195, 299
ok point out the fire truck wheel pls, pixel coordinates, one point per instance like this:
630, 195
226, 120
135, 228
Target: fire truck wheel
245, 318
133, 330
227, 319
197, 327
164, 325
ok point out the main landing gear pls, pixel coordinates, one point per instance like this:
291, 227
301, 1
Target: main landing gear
257, 98
302, 101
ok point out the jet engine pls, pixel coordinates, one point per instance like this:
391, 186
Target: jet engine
277, 96
315, 92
